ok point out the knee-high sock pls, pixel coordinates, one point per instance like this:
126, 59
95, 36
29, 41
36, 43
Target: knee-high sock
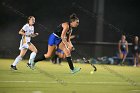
69, 60
18, 58
32, 57
55, 58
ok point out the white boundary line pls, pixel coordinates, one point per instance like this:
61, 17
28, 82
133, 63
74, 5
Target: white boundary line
54, 82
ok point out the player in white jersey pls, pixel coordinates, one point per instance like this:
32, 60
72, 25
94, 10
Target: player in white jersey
27, 32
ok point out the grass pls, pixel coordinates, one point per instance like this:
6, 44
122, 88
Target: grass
50, 78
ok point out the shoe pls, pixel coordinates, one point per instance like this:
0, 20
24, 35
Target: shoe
13, 67
122, 63
134, 65
29, 65
75, 70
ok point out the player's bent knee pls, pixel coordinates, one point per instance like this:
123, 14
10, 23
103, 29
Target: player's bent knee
60, 56
21, 55
68, 54
47, 56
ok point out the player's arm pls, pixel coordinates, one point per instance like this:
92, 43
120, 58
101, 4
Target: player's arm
119, 46
63, 35
69, 42
127, 46
72, 36
34, 34
22, 32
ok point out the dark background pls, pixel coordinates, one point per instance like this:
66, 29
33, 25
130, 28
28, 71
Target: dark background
122, 15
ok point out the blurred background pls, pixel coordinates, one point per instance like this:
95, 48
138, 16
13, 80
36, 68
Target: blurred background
102, 22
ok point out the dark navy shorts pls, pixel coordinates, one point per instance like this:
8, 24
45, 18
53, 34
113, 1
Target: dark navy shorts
59, 51
124, 52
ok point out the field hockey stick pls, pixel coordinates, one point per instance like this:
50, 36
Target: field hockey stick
85, 60
34, 35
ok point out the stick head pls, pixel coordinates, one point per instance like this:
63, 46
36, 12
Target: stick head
95, 69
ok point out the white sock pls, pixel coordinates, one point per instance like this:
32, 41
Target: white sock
32, 57
18, 58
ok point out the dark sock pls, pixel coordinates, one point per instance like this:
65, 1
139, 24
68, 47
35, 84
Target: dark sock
69, 60
55, 58
60, 60
42, 57
120, 61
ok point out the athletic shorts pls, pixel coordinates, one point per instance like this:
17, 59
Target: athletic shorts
54, 40
124, 52
24, 46
59, 51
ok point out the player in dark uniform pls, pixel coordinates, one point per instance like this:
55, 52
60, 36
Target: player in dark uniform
59, 54
136, 50
60, 38
123, 48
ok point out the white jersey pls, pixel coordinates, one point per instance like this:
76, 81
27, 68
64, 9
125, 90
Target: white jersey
25, 38
28, 30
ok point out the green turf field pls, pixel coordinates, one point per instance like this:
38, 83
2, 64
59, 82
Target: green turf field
50, 78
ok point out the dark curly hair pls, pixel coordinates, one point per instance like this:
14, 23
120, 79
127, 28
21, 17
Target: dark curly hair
73, 17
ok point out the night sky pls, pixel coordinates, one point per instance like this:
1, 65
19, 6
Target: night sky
122, 14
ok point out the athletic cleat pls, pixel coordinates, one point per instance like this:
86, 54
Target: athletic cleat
13, 67
134, 65
122, 63
29, 65
75, 70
